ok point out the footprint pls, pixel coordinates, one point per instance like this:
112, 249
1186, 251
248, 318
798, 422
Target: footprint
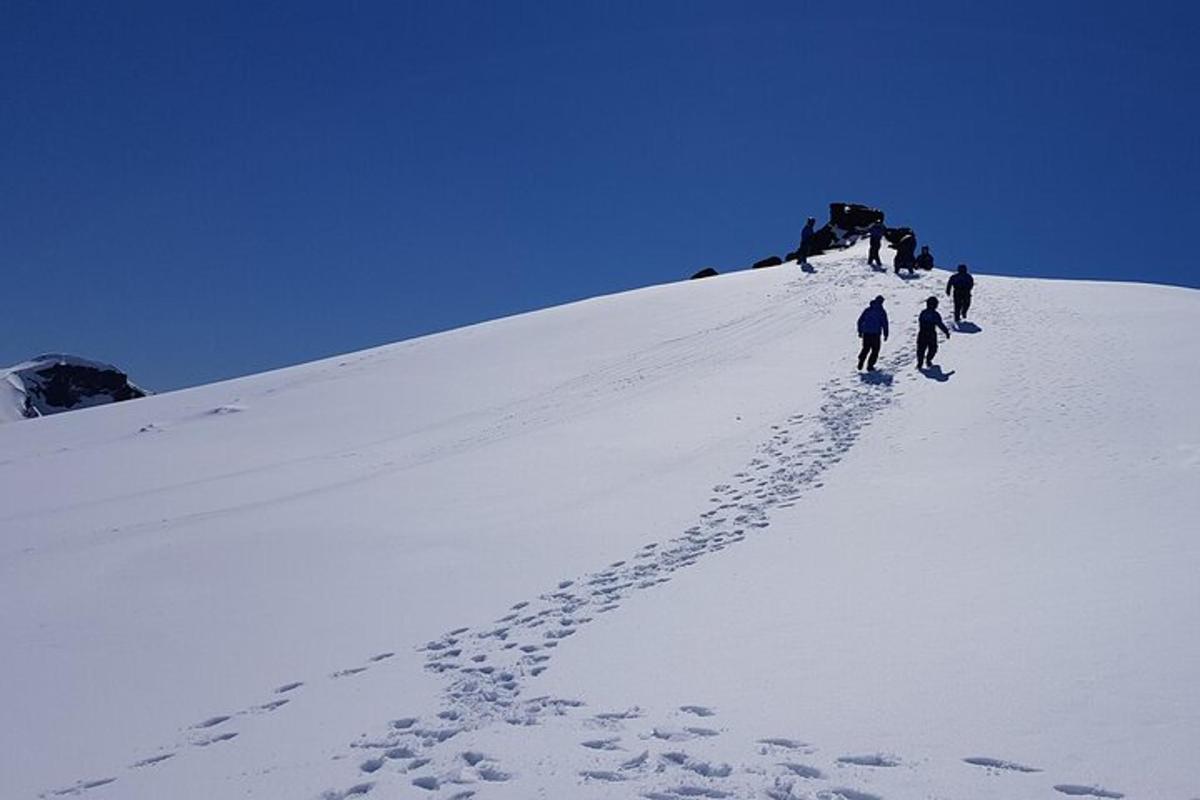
697, 791
803, 770
607, 776
699, 711
211, 722
380, 657
274, 704
846, 794
83, 786
602, 744
427, 782
493, 775
1075, 790
151, 761
287, 687
870, 760
347, 672
224, 737
999, 764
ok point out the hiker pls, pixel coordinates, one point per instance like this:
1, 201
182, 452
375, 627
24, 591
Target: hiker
905, 250
960, 284
876, 234
872, 324
928, 323
925, 260
806, 236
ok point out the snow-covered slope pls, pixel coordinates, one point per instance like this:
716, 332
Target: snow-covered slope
664, 544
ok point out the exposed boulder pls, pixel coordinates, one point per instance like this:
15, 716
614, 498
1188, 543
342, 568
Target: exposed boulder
53, 383
853, 216
772, 261
707, 272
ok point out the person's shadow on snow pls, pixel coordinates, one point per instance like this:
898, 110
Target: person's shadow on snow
966, 327
876, 378
934, 372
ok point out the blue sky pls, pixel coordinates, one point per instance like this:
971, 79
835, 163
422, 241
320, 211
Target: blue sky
202, 190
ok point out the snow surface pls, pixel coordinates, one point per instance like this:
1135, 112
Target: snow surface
664, 544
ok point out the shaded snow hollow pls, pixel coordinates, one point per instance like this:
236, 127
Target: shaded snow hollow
665, 544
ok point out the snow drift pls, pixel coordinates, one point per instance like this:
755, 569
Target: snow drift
664, 544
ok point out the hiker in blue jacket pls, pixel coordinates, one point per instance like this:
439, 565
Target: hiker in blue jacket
872, 324
927, 327
806, 236
875, 232
961, 283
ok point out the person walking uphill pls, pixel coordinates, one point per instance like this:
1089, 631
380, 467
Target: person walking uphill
875, 232
806, 236
927, 327
872, 324
961, 283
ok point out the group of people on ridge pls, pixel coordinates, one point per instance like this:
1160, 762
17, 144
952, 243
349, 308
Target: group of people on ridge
906, 255
873, 322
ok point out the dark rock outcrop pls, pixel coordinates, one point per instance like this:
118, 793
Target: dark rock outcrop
772, 261
51, 384
707, 272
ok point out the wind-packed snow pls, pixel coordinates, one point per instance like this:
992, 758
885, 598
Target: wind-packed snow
665, 544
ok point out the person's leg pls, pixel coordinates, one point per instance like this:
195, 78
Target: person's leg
866, 348
875, 344
921, 345
933, 347
966, 305
957, 308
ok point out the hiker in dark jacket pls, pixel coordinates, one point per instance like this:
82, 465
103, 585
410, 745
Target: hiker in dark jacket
928, 324
925, 260
875, 232
906, 250
872, 324
960, 284
806, 236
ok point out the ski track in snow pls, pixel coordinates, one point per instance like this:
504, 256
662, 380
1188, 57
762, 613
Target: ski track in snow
488, 668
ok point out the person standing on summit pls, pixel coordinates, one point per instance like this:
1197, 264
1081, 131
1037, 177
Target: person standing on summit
906, 254
960, 284
872, 324
806, 236
875, 232
927, 327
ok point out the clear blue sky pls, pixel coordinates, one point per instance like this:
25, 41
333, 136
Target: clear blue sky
197, 190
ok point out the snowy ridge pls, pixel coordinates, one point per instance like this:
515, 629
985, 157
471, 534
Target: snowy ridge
547, 598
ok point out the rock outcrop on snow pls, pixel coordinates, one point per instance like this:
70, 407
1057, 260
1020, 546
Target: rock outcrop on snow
847, 223
771, 261
53, 383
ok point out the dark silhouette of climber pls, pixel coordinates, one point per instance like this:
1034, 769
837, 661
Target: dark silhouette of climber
875, 232
925, 259
872, 324
927, 327
806, 236
960, 284
906, 257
